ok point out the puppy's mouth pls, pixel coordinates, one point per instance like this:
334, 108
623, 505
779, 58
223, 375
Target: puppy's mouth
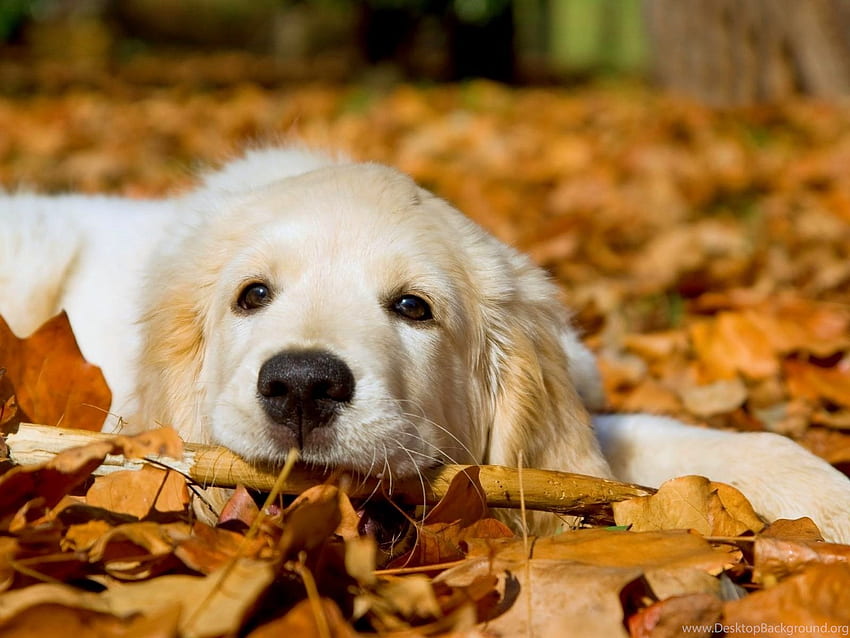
389, 524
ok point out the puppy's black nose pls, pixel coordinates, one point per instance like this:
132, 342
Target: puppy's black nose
303, 390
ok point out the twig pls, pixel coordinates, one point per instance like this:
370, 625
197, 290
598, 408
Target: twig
545, 490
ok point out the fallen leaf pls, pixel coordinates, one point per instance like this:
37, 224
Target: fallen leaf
692, 615
817, 601
240, 509
463, 502
50, 619
303, 621
730, 344
54, 479
310, 519
719, 397
10, 413
776, 558
53, 382
616, 548
798, 529
140, 492
537, 603
458, 517
208, 549
690, 502
813, 382
137, 551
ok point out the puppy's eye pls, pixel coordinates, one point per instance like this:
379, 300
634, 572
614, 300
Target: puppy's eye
253, 296
412, 307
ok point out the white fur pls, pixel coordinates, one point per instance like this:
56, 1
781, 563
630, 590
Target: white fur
150, 289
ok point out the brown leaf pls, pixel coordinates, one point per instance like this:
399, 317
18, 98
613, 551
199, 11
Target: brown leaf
10, 413
667, 618
311, 519
775, 558
361, 558
240, 508
458, 517
830, 445
140, 492
732, 343
798, 529
463, 502
809, 381
136, 551
53, 383
536, 603
82, 537
8, 551
615, 548
690, 502
214, 605
302, 621
54, 479
818, 598
49, 619
208, 549
719, 397
445, 542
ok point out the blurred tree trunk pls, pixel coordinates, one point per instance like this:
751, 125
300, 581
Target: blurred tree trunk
731, 52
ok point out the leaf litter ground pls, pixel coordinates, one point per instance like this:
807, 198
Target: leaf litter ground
705, 254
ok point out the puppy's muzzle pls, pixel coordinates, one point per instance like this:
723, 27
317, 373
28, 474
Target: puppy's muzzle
304, 390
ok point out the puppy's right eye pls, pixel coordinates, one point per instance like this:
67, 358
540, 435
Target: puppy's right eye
254, 295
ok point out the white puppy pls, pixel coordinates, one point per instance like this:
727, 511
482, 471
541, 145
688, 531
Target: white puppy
339, 308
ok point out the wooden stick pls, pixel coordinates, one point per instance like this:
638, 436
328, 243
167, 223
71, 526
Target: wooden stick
546, 490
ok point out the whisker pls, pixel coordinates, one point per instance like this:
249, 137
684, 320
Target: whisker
440, 452
421, 481
388, 468
365, 477
477, 489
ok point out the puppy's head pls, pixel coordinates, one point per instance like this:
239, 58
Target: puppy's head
355, 316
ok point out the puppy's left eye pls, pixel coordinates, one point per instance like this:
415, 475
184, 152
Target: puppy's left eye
254, 295
412, 307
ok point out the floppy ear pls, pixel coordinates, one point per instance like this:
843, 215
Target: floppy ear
536, 407
175, 306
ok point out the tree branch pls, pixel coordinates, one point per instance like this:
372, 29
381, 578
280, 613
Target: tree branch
545, 490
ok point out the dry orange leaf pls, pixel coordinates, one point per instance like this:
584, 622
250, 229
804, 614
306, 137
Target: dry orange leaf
732, 343
53, 383
49, 619
303, 620
54, 479
137, 551
666, 618
544, 597
797, 529
690, 502
615, 548
311, 518
818, 598
776, 558
718, 397
138, 493
210, 548
809, 381
459, 516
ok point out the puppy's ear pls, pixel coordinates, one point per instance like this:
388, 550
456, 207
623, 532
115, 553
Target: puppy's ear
536, 406
172, 350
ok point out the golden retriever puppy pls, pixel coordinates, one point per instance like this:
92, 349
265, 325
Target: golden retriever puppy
294, 301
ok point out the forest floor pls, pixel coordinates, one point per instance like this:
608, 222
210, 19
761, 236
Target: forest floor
706, 256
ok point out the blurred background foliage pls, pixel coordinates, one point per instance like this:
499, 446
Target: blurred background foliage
726, 52
679, 166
